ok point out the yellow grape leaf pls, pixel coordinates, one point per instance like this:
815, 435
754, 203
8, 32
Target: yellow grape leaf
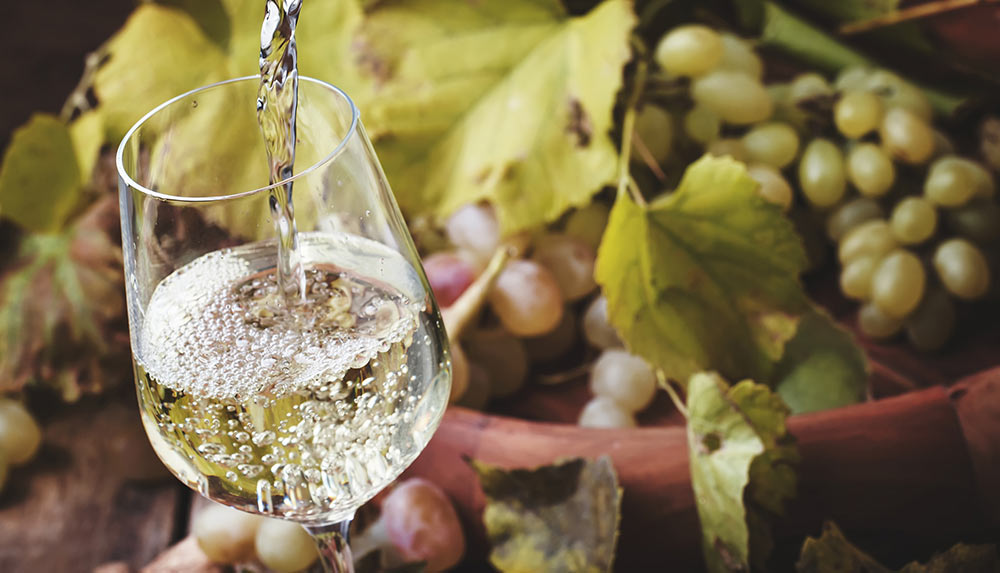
87, 132
504, 100
39, 177
705, 278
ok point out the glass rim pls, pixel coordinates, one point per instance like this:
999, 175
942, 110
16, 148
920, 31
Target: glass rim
128, 180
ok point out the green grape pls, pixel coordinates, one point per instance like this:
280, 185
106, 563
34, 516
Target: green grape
655, 128
20, 435
727, 147
808, 86
774, 144
898, 283
962, 269
603, 412
701, 125
570, 261
503, 356
587, 223
852, 78
914, 220
870, 169
978, 220
284, 546
932, 323
898, 93
983, 180
876, 324
821, 173
906, 136
225, 535
689, 50
773, 186
856, 277
951, 181
857, 113
873, 238
989, 141
624, 378
850, 215
739, 56
736, 98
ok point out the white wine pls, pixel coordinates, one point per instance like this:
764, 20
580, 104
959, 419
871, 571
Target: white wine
301, 409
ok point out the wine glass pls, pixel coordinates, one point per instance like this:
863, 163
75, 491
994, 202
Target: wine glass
295, 406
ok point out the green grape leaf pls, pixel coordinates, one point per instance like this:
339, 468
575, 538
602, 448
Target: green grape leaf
741, 458
61, 308
705, 278
834, 553
87, 132
505, 101
822, 367
40, 179
558, 518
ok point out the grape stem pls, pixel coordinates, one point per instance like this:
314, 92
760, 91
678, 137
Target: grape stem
625, 182
674, 396
458, 316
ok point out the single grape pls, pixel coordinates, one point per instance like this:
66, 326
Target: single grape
873, 238
587, 223
655, 128
225, 535
914, 220
896, 92
474, 228
526, 298
876, 324
727, 147
856, 277
421, 523
503, 357
773, 143
852, 78
985, 185
285, 546
701, 125
808, 86
735, 97
20, 435
689, 50
906, 136
459, 373
857, 113
850, 215
989, 141
477, 395
623, 377
571, 262
932, 324
978, 220
821, 173
898, 283
554, 344
596, 328
951, 181
962, 269
774, 188
739, 56
870, 169
449, 275
601, 412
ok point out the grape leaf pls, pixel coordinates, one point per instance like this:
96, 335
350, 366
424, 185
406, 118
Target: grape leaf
62, 313
822, 367
562, 517
507, 101
705, 278
741, 472
40, 179
87, 132
833, 553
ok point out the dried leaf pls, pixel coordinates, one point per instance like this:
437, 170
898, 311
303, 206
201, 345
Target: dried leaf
507, 101
562, 517
705, 278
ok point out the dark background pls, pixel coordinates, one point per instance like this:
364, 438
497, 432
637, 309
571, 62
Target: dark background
43, 48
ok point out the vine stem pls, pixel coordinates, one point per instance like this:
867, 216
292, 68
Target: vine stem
916, 12
674, 396
628, 130
77, 100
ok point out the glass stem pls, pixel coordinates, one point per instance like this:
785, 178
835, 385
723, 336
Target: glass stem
332, 541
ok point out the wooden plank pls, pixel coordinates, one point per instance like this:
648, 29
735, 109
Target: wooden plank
71, 509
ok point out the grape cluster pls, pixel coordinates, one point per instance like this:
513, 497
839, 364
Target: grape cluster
539, 306
911, 219
20, 436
